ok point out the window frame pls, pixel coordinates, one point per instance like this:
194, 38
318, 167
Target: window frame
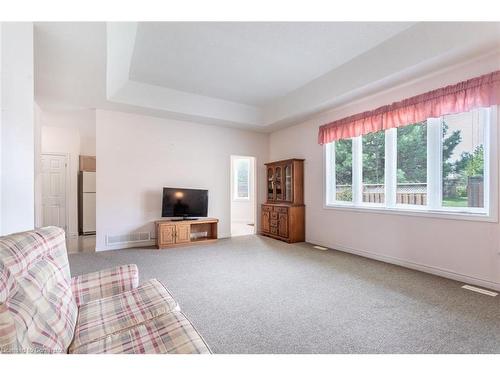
434, 206
235, 179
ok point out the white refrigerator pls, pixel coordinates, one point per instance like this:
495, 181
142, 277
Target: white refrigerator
86, 202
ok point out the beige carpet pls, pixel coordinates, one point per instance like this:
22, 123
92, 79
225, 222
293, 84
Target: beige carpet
256, 295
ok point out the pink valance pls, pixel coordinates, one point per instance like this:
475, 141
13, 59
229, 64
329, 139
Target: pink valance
483, 91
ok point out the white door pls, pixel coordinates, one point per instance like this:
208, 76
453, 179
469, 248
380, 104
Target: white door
54, 190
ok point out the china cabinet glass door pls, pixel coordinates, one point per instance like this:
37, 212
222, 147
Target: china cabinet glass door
270, 184
278, 183
288, 182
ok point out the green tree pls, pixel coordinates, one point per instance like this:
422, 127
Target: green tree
412, 153
449, 143
343, 162
374, 158
475, 162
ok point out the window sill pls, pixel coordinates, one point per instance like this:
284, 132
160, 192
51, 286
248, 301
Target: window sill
414, 211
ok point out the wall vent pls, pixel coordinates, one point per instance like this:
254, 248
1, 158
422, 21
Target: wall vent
120, 239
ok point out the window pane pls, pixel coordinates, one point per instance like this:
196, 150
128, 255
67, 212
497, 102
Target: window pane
412, 164
242, 174
343, 170
374, 167
463, 159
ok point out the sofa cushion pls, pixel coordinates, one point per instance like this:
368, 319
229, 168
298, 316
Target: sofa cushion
170, 333
104, 283
108, 316
35, 286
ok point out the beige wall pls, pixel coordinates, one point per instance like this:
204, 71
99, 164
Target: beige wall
464, 250
138, 155
17, 130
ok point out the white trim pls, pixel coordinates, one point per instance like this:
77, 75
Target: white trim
391, 166
328, 176
491, 162
127, 245
434, 163
67, 164
412, 210
357, 170
413, 265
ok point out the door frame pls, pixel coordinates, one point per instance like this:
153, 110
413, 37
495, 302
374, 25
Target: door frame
253, 162
67, 188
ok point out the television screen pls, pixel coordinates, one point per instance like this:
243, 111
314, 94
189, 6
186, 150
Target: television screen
184, 202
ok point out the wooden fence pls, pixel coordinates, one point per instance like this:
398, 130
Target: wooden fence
415, 194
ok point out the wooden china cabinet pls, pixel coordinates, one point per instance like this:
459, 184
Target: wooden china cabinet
283, 214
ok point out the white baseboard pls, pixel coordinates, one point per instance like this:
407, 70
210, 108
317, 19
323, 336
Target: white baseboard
415, 266
127, 245
152, 242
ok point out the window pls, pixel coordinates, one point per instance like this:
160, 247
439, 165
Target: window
463, 159
373, 167
343, 170
241, 176
440, 165
412, 164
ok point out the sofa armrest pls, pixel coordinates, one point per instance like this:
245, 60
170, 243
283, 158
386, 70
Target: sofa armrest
105, 283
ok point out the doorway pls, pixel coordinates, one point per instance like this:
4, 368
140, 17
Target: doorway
243, 202
54, 170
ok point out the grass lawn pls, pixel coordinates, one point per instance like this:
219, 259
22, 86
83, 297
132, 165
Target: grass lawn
455, 202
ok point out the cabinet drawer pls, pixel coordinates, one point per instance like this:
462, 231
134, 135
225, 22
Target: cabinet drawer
274, 215
267, 208
282, 210
274, 230
274, 223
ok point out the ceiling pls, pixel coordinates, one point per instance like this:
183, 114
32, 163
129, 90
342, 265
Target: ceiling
249, 63
251, 75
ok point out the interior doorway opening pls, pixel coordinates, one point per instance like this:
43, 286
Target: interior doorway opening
243, 202
65, 166
54, 171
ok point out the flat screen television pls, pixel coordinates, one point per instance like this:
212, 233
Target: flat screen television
185, 203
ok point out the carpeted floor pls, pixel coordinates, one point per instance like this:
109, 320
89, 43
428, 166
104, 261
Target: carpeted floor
252, 294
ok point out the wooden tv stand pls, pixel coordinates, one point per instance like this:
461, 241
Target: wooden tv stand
170, 233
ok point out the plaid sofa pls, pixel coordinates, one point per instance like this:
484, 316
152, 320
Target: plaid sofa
44, 310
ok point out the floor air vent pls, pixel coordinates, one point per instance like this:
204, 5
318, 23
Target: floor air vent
320, 247
480, 290
127, 238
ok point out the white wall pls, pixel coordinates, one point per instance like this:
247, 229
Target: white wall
71, 133
138, 155
17, 128
464, 250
